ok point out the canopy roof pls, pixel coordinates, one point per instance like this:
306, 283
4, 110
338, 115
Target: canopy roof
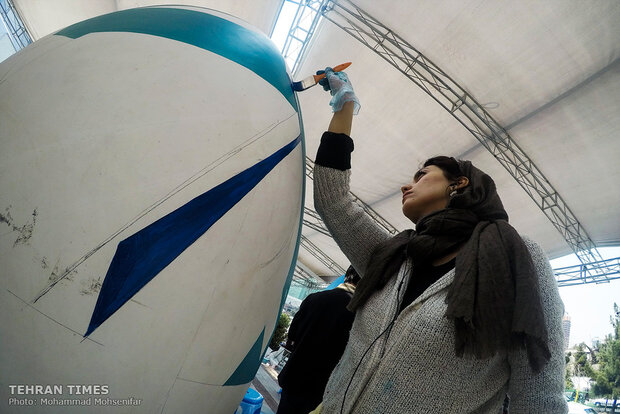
547, 72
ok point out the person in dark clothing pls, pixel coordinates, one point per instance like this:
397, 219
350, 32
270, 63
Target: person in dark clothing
317, 338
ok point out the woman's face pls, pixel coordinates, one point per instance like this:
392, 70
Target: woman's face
428, 192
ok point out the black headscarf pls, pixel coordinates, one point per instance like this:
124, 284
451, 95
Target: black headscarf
494, 300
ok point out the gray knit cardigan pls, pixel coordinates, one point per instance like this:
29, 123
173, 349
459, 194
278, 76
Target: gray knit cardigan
412, 368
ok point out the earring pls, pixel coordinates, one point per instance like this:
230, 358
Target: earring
453, 192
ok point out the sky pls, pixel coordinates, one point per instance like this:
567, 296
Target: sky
6, 48
589, 306
283, 24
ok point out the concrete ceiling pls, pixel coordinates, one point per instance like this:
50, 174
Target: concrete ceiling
547, 71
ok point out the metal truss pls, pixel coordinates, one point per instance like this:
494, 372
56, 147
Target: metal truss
304, 24
606, 270
18, 35
308, 284
577, 275
460, 104
322, 257
303, 278
319, 226
313, 221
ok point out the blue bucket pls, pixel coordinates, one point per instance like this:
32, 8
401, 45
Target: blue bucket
251, 404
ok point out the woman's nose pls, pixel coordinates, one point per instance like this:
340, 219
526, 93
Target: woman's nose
405, 188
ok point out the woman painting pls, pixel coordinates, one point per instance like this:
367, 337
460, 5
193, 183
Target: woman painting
454, 317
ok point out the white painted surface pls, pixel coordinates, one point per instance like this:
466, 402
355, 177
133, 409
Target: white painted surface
102, 136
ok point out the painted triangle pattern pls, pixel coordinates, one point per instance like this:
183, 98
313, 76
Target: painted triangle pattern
246, 370
140, 257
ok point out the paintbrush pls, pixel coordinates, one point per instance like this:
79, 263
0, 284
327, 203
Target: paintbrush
310, 81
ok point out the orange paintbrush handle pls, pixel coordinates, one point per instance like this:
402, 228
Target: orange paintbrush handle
338, 68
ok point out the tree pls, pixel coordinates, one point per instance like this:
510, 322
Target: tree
568, 380
582, 365
592, 354
607, 378
280, 333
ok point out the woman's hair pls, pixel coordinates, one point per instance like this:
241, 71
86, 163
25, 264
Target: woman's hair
448, 165
351, 276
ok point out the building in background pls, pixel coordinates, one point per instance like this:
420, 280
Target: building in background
566, 329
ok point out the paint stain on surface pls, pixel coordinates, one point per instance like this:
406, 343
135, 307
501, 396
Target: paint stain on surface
65, 275
91, 287
24, 231
54, 276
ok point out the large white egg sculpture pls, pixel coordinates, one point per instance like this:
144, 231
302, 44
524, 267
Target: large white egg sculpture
151, 194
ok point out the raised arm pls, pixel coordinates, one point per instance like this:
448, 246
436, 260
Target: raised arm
342, 120
355, 232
